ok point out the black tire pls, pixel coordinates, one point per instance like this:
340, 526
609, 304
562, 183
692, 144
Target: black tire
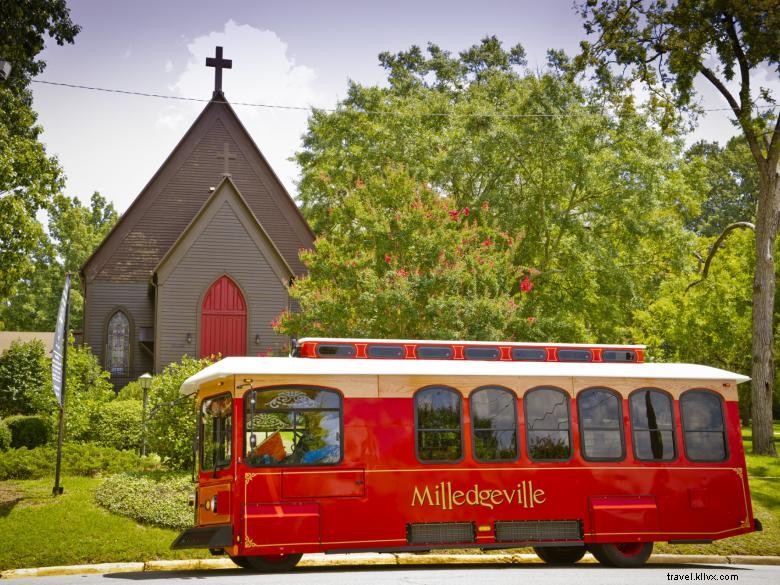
241, 562
624, 555
560, 555
270, 563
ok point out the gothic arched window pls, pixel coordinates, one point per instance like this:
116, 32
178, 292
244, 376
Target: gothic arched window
118, 344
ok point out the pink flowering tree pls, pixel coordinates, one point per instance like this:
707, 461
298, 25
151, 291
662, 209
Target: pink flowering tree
399, 261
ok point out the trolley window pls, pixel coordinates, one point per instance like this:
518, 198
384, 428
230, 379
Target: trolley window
601, 425
216, 431
386, 351
292, 426
434, 352
703, 428
494, 424
482, 353
547, 424
652, 421
438, 423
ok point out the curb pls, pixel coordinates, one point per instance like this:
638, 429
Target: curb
368, 559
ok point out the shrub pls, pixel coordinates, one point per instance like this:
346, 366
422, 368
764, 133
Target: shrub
117, 424
29, 431
160, 502
5, 436
77, 459
171, 418
25, 379
88, 391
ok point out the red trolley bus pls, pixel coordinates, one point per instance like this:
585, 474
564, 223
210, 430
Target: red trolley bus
415, 445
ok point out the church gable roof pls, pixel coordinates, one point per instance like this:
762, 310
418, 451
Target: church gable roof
227, 207
217, 143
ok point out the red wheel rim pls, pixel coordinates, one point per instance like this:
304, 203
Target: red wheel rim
630, 549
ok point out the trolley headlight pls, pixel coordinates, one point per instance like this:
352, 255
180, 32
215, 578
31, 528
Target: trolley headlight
211, 505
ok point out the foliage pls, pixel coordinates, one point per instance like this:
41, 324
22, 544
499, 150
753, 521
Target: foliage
5, 436
25, 380
589, 206
75, 230
28, 176
160, 502
117, 424
666, 46
171, 418
28, 431
77, 459
22, 28
732, 186
88, 390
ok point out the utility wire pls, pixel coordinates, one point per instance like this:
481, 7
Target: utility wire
369, 112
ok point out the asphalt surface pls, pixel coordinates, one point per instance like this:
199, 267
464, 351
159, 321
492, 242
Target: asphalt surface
367, 560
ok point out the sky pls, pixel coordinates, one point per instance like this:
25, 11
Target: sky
295, 53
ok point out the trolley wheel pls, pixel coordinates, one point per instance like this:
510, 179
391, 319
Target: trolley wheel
560, 555
622, 554
241, 562
268, 563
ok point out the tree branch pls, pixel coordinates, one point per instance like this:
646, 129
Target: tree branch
716, 246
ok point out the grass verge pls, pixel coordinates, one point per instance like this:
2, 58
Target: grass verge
39, 530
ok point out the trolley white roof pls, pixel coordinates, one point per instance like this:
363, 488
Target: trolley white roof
264, 366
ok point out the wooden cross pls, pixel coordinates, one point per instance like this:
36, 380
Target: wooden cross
218, 63
228, 156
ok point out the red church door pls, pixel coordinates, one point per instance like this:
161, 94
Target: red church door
223, 320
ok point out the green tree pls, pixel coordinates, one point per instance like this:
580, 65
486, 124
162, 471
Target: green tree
732, 185
25, 380
28, 176
75, 230
667, 45
593, 197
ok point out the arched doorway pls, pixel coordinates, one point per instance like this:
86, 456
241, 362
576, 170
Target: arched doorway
223, 320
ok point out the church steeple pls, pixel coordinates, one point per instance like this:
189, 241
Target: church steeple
218, 63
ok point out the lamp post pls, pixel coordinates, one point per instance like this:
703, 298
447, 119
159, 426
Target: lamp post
145, 380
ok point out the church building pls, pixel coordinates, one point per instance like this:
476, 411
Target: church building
201, 261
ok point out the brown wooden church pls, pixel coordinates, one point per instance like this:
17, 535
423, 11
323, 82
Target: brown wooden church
201, 261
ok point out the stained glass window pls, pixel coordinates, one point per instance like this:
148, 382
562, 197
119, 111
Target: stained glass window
118, 345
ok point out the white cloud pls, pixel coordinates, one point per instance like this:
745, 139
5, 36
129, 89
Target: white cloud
168, 66
262, 73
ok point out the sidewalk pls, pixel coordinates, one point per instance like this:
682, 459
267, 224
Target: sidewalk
367, 559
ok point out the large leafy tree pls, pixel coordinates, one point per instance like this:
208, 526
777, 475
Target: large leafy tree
668, 45
28, 176
74, 232
592, 196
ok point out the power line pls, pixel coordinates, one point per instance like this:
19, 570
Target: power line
368, 112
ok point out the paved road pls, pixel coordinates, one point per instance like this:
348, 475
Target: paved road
445, 575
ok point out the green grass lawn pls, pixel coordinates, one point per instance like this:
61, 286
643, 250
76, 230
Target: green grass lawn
37, 529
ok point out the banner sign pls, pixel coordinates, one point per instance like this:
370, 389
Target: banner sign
60, 339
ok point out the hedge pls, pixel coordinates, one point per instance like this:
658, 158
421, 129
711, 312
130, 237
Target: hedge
159, 502
77, 459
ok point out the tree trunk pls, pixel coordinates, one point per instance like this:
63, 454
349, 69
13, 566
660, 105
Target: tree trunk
763, 369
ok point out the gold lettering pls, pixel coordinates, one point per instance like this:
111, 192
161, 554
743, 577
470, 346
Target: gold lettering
484, 498
457, 498
419, 498
443, 496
